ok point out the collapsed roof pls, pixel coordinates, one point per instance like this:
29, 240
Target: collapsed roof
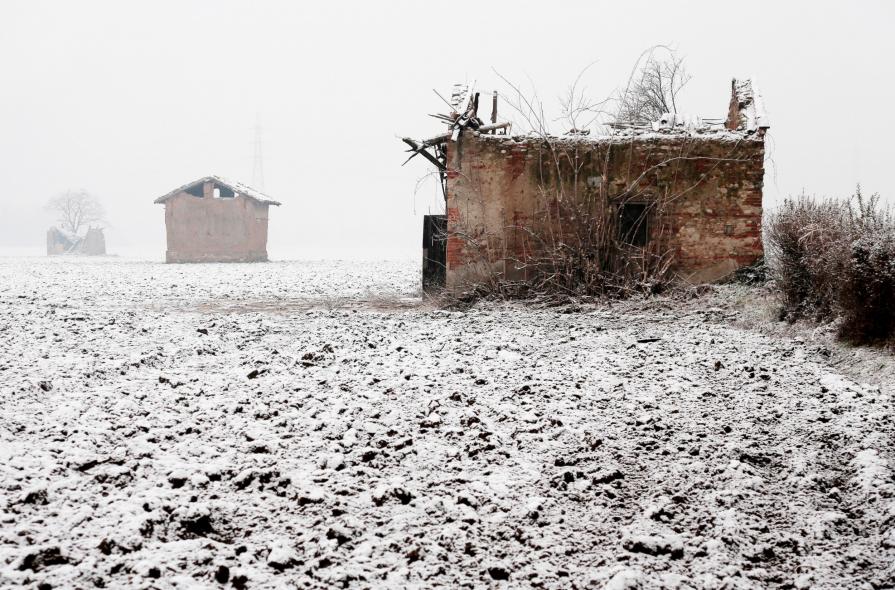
237, 188
456, 121
746, 117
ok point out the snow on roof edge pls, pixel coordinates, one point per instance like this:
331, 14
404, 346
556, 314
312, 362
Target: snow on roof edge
236, 187
628, 135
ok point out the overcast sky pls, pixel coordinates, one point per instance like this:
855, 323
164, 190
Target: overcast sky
129, 100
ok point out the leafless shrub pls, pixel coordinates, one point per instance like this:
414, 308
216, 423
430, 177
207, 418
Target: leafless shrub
576, 246
580, 111
836, 259
805, 268
76, 209
653, 88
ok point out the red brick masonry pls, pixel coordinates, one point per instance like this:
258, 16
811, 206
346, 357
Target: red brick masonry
709, 184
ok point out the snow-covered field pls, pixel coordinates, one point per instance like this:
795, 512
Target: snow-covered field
315, 425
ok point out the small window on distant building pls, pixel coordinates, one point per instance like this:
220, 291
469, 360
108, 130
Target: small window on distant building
217, 193
632, 224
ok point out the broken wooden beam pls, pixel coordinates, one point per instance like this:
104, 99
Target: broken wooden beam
446, 136
421, 149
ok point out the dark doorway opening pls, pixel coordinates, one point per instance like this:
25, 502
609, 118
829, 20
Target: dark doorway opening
632, 224
434, 252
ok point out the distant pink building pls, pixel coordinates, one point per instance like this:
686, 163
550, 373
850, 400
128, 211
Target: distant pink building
215, 220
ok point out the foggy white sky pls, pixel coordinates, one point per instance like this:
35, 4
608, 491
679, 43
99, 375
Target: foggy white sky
130, 100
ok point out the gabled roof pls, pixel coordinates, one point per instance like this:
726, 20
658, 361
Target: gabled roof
236, 187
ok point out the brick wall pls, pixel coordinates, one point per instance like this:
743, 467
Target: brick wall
704, 194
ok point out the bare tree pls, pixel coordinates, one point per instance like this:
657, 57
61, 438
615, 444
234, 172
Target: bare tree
657, 79
76, 209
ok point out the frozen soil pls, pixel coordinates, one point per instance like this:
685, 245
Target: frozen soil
314, 425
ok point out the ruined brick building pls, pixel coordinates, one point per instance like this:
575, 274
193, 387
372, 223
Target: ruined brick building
690, 187
216, 220
59, 241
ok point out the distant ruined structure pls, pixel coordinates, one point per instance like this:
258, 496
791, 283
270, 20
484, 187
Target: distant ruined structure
692, 185
59, 241
216, 220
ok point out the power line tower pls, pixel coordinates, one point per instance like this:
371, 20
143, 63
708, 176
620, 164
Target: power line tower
258, 168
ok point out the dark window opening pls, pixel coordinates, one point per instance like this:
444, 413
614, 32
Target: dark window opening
218, 191
632, 224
